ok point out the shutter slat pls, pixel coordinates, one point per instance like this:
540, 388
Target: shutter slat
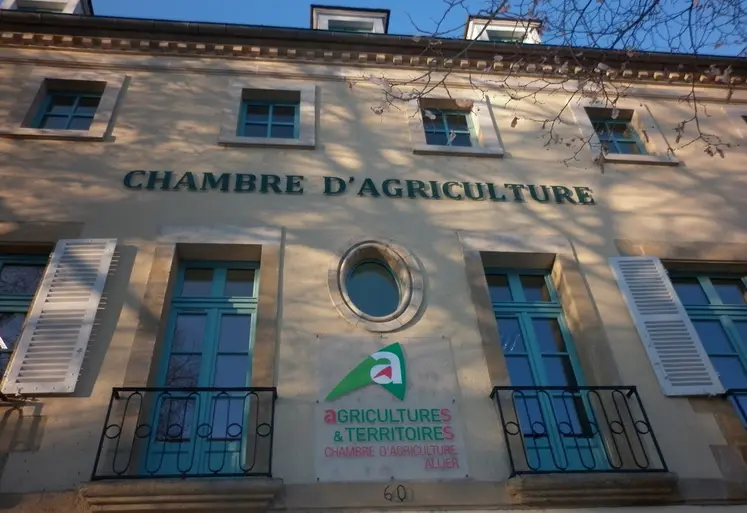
50, 351
680, 362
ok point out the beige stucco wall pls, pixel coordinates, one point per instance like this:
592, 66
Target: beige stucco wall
169, 119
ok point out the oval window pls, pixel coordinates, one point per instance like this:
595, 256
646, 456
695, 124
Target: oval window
373, 288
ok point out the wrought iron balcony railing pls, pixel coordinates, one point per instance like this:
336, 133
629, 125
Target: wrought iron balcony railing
577, 429
187, 432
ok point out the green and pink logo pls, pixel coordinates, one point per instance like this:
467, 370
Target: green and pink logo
385, 367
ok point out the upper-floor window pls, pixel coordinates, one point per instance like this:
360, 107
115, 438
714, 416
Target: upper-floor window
448, 127
267, 118
502, 31
615, 131
65, 110
347, 19
20, 276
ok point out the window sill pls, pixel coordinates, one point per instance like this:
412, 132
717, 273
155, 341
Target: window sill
618, 158
47, 133
268, 142
457, 151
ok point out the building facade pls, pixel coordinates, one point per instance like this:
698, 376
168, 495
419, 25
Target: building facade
227, 285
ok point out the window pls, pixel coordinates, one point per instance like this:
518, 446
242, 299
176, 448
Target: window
274, 119
207, 361
555, 422
19, 278
616, 135
717, 307
447, 127
366, 27
373, 288
270, 113
498, 36
67, 110
502, 31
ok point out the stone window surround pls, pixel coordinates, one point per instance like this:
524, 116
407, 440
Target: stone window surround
308, 114
33, 92
721, 257
224, 243
322, 16
404, 265
481, 114
643, 122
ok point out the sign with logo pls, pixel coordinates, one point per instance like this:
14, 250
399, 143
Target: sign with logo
387, 411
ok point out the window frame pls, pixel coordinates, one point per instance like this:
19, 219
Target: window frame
611, 136
49, 95
271, 104
444, 113
18, 303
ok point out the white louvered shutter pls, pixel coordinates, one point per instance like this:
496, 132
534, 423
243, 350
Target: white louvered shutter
674, 349
50, 350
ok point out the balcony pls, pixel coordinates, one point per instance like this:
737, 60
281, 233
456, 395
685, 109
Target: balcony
577, 430
187, 432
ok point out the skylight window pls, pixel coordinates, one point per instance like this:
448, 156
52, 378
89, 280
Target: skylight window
350, 20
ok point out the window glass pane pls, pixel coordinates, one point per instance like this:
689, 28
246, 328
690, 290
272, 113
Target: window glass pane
519, 371
457, 122
175, 419
628, 148
713, 336
283, 131
689, 291
231, 370
235, 333
183, 370
620, 130
10, 328
730, 371
742, 329
239, 282
569, 415
730, 291
59, 104
559, 371
373, 289
228, 417
54, 122
498, 287
510, 333
740, 405
432, 120
80, 123
255, 131
462, 140
20, 279
87, 106
189, 333
284, 114
197, 282
436, 138
549, 336
535, 288
257, 113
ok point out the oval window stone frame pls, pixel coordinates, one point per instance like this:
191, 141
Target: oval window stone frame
402, 264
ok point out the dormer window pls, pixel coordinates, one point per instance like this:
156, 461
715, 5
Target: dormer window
503, 31
350, 20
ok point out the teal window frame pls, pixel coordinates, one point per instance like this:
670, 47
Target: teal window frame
167, 455
432, 127
568, 448
17, 303
726, 315
44, 111
269, 123
612, 140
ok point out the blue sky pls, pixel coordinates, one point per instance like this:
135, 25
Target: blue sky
284, 13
